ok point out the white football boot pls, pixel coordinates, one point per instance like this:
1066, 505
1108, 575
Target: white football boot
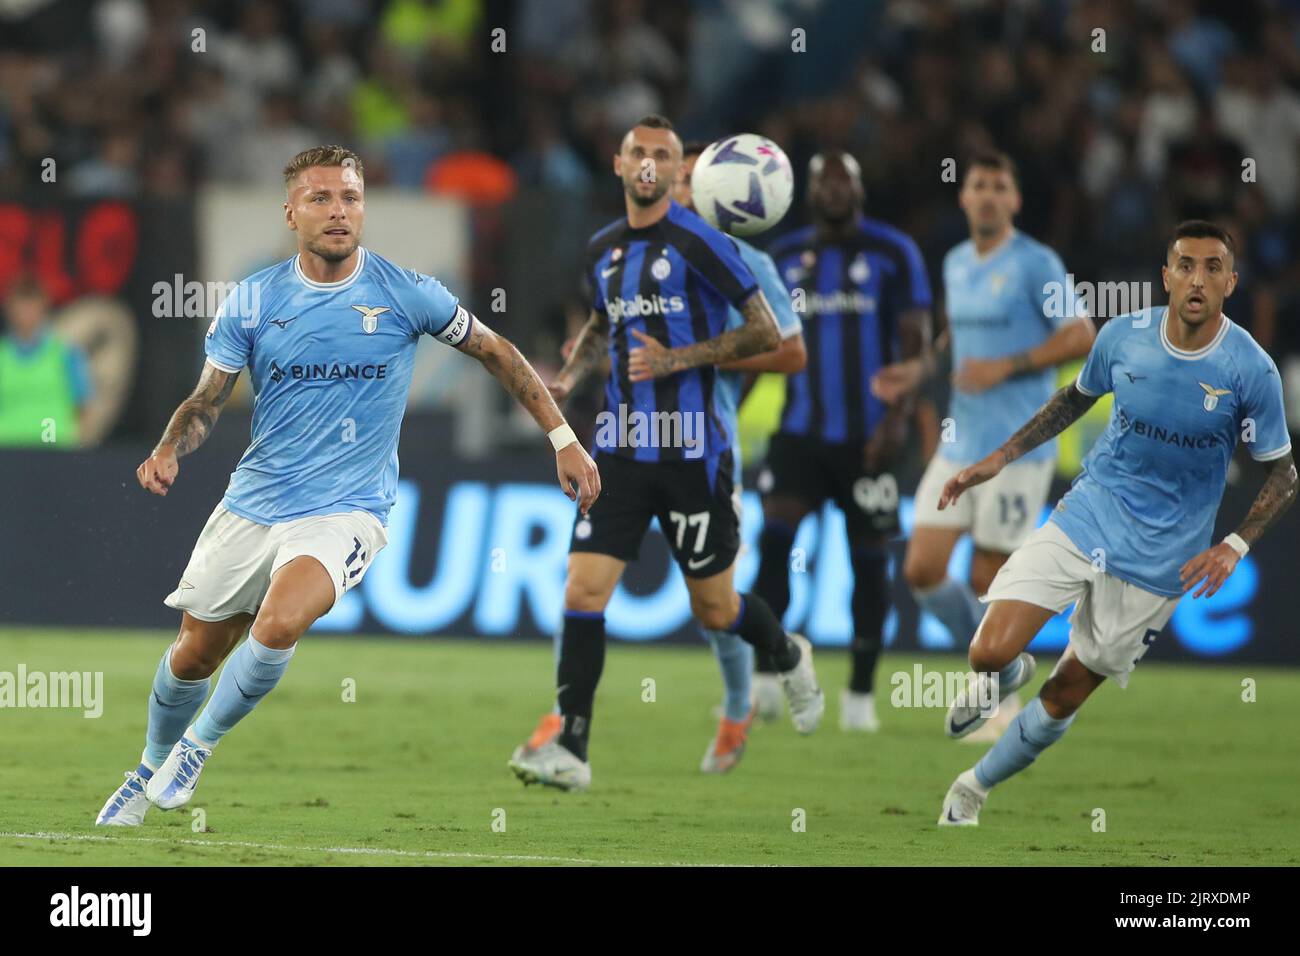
995, 725
173, 785
127, 805
858, 712
552, 765
769, 700
961, 807
965, 716
807, 702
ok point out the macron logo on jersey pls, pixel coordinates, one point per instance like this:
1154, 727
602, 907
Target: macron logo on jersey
621, 308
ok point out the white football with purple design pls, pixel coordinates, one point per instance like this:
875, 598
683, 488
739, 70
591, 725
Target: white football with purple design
742, 184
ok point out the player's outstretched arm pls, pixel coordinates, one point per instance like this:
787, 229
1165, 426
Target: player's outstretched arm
590, 351
760, 333
1213, 565
1069, 342
573, 466
189, 427
1059, 412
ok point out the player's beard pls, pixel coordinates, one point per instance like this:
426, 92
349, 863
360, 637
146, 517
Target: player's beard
660, 190
334, 253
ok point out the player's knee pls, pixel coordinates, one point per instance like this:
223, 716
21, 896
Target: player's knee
280, 629
992, 648
193, 660
922, 574
580, 595
715, 613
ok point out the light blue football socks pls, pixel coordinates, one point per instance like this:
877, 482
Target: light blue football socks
172, 705
1032, 732
956, 606
248, 676
1011, 673
736, 661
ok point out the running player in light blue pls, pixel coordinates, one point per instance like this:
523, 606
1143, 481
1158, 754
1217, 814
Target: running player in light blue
329, 339
735, 656
1011, 321
1133, 533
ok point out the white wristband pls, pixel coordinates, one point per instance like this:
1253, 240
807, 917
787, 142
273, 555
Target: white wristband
561, 436
1236, 543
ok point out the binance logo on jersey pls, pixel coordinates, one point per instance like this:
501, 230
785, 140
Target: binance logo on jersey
1167, 436
1212, 395
327, 371
621, 308
370, 317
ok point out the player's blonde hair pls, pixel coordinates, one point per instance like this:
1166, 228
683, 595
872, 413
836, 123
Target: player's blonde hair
321, 156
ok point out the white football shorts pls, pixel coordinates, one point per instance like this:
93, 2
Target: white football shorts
1114, 622
231, 567
1000, 514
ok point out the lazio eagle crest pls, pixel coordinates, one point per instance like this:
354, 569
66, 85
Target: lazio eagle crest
1212, 395
370, 317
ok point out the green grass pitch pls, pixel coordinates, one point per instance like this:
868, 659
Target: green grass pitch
414, 771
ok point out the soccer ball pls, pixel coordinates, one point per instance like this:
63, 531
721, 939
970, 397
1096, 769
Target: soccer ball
742, 184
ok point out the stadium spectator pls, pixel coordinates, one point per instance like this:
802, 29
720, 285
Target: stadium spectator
1262, 114
44, 382
1103, 103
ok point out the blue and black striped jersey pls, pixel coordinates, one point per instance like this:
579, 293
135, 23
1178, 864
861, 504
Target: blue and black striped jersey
852, 294
673, 281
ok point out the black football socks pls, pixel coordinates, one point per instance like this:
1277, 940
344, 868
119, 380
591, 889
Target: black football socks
773, 581
582, 658
870, 604
757, 625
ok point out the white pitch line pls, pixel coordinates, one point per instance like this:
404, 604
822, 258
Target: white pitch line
357, 850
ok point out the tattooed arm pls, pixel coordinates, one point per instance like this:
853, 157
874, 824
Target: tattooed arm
759, 334
499, 356
1215, 563
189, 427
590, 351
1277, 495
1061, 411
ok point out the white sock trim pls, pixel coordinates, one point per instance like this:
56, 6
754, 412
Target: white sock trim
269, 655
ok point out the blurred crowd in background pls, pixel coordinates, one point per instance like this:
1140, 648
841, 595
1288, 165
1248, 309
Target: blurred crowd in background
1125, 116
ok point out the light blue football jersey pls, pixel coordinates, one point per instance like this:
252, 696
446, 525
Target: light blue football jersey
1006, 302
1151, 485
331, 367
778, 297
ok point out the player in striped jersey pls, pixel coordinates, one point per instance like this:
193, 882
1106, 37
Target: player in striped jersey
866, 303
662, 281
